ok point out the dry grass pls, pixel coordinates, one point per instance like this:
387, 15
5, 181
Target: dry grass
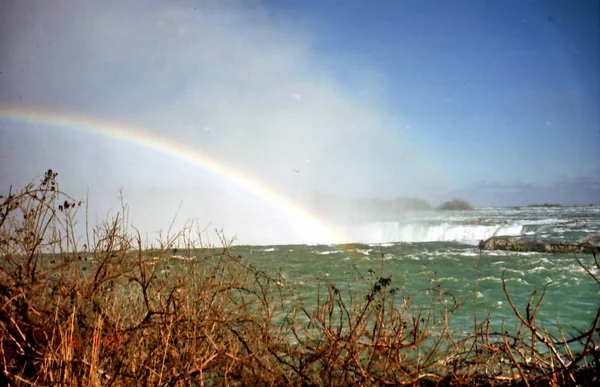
116, 312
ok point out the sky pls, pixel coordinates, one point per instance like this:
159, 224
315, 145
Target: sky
497, 102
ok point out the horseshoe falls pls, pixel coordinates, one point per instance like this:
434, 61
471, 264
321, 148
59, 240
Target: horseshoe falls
562, 223
443, 246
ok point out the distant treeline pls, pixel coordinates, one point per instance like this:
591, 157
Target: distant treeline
397, 204
546, 205
362, 209
456, 204
365, 209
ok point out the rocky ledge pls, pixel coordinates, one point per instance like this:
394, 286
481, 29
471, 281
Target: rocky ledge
540, 246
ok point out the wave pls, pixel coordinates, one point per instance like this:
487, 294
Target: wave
386, 232
471, 227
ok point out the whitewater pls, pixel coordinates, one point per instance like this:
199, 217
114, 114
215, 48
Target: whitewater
420, 249
561, 223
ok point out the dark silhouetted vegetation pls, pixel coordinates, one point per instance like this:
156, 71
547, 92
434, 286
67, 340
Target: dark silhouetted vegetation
455, 204
545, 205
367, 209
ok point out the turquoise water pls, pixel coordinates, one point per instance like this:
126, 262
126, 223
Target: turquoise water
451, 258
572, 297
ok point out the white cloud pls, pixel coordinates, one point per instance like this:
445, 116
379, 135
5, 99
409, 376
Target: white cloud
184, 68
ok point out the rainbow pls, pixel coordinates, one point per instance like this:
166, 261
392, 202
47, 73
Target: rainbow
141, 138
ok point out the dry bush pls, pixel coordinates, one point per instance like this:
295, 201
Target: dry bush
119, 312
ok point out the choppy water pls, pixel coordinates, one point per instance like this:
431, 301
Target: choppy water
417, 249
564, 223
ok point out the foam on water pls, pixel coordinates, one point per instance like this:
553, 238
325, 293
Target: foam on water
480, 224
415, 267
381, 232
327, 252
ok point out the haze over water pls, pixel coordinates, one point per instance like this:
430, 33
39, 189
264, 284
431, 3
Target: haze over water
495, 102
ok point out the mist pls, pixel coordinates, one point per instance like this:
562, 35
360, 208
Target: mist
224, 77
221, 76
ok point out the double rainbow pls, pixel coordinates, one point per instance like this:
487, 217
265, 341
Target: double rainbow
138, 137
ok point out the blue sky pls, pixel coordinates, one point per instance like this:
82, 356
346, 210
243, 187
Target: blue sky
504, 93
497, 102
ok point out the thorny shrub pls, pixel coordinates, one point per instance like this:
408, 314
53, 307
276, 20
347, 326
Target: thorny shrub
114, 311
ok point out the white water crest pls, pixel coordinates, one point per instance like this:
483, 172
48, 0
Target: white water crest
382, 232
570, 223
